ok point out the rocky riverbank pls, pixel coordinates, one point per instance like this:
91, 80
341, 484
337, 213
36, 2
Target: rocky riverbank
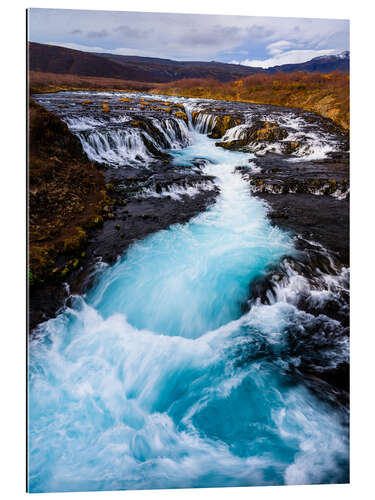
307, 198
82, 214
124, 184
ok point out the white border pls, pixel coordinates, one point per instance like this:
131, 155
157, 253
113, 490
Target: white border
12, 165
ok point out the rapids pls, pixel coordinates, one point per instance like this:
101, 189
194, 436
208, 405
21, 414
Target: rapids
164, 375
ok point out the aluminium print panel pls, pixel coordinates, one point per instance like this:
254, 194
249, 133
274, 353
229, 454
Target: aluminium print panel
188, 251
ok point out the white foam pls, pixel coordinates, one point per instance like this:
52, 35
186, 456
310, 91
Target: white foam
176, 192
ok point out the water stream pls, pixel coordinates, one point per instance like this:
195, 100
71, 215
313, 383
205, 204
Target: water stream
162, 377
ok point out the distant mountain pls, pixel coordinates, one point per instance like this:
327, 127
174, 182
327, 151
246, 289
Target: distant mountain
168, 70
61, 60
322, 64
54, 59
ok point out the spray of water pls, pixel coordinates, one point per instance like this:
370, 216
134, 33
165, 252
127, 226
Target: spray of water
161, 377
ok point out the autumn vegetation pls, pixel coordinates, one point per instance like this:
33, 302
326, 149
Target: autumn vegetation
40, 82
66, 197
325, 94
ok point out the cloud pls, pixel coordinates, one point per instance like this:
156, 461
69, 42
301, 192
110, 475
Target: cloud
212, 36
289, 57
98, 34
130, 32
259, 32
277, 48
122, 51
189, 36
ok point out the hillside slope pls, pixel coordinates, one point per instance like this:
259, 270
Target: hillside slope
66, 195
60, 60
327, 95
321, 64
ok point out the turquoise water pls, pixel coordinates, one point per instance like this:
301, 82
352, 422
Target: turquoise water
195, 277
158, 378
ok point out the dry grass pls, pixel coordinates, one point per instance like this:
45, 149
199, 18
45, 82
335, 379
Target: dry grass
51, 82
66, 196
325, 94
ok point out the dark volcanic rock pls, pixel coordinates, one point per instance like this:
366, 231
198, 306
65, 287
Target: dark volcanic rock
259, 132
95, 215
305, 197
223, 123
66, 196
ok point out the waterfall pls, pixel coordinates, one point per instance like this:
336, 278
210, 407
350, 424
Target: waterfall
174, 131
171, 372
125, 144
235, 133
201, 121
204, 123
312, 143
115, 147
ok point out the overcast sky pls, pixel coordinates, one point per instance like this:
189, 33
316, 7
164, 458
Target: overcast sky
254, 41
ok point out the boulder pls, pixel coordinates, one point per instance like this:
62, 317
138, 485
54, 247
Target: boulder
290, 147
270, 132
224, 123
259, 132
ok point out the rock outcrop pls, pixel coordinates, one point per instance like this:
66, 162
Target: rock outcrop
66, 197
224, 123
260, 131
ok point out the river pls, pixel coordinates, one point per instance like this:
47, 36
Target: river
164, 375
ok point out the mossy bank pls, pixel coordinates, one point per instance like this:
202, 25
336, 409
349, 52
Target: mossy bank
67, 195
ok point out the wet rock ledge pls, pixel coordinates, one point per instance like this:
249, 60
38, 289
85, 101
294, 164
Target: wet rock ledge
82, 213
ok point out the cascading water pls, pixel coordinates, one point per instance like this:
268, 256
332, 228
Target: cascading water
195, 278
117, 148
161, 377
204, 123
120, 146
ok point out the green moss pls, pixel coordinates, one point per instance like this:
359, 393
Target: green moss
74, 242
95, 221
227, 145
64, 272
181, 114
41, 255
31, 278
223, 123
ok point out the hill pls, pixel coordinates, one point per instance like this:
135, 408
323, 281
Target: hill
320, 85
325, 94
321, 64
60, 60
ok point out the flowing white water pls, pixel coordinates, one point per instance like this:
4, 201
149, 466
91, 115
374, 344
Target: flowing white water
205, 122
158, 379
116, 148
117, 145
177, 192
314, 144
